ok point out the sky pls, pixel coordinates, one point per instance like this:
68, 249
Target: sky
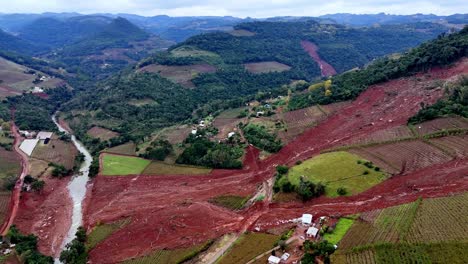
238, 8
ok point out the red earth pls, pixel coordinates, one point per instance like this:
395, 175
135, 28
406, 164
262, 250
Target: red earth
173, 211
325, 68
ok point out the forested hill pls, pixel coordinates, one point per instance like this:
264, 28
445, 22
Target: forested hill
442, 51
136, 104
12, 43
56, 32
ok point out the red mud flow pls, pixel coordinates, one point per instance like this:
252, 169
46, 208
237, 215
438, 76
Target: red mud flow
47, 215
173, 211
325, 68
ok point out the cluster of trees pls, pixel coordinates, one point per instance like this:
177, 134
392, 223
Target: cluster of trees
26, 247
306, 190
441, 51
203, 152
75, 252
158, 150
36, 184
259, 137
59, 170
455, 104
322, 249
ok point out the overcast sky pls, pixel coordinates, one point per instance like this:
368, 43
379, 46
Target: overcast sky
239, 8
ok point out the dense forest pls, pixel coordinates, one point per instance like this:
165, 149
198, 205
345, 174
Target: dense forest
441, 51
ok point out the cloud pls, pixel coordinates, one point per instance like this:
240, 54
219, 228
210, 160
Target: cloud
240, 8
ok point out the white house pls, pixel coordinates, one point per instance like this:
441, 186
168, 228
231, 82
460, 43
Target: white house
306, 219
44, 135
231, 134
194, 131
273, 260
312, 232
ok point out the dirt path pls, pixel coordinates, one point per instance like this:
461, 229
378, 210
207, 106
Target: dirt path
16, 194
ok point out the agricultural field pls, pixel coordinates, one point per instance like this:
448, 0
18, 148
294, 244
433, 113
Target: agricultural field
445, 123
102, 133
335, 170
161, 168
191, 51
404, 157
182, 75
122, 165
425, 231
124, 149
247, 247
38, 168
4, 203
266, 66
16, 79
342, 226
296, 122
10, 164
232, 202
456, 145
56, 151
379, 226
101, 232
394, 133
171, 256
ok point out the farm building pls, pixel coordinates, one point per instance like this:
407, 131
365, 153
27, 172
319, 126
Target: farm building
312, 232
306, 219
273, 260
27, 134
28, 145
44, 135
231, 134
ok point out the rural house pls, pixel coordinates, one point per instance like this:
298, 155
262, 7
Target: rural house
273, 260
312, 232
306, 219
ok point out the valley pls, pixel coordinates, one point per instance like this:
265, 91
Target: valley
131, 139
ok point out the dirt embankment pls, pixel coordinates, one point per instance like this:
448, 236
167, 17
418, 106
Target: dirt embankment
173, 211
325, 68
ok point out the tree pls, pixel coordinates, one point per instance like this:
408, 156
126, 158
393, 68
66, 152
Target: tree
305, 189
282, 169
75, 251
341, 191
38, 185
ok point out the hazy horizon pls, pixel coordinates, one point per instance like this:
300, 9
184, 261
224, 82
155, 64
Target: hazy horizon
241, 8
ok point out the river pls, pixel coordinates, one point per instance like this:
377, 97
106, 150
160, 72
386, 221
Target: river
76, 187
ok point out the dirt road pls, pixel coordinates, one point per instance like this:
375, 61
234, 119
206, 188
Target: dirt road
16, 194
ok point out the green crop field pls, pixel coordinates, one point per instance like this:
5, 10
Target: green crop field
123, 165
340, 230
101, 232
335, 170
161, 168
247, 247
426, 231
232, 202
174, 256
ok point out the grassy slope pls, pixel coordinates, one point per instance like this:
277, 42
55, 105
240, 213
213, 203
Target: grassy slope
336, 169
232, 202
101, 232
123, 165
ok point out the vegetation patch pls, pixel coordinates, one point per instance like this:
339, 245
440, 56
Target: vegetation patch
161, 168
232, 202
175, 256
10, 165
336, 170
182, 75
248, 246
102, 231
122, 165
258, 136
266, 66
124, 149
339, 231
191, 51
102, 133
241, 33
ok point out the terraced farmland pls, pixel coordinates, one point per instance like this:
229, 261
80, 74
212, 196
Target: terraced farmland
404, 156
101, 232
455, 145
440, 124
